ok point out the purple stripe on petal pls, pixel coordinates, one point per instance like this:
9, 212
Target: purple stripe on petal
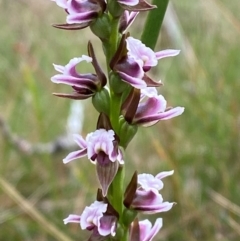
75, 155
151, 120
150, 107
81, 17
135, 82
163, 207
73, 81
167, 53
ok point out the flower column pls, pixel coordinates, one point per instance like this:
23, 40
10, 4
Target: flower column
125, 98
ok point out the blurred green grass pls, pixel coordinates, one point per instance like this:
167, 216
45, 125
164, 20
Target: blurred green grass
202, 146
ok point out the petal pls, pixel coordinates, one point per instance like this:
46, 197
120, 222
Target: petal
140, 51
92, 214
148, 181
61, 3
81, 17
74, 81
147, 232
72, 218
107, 225
126, 20
150, 107
162, 175
131, 72
151, 120
128, 2
80, 141
149, 92
75, 155
100, 140
166, 53
106, 174
59, 68
75, 96
150, 202
135, 82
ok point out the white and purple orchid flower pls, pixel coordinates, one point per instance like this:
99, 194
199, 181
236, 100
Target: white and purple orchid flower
146, 231
147, 199
153, 108
81, 12
94, 219
102, 149
139, 60
84, 85
100, 146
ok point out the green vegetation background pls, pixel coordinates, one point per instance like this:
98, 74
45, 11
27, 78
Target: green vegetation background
37, 190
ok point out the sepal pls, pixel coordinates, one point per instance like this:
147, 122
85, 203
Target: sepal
101, 27
101, 101
141, 6
115, 8
117, 85
130, 190
126, 132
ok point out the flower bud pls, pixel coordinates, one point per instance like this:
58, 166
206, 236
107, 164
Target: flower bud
117, 85
101, 27
115, 8
128, 216
101, 101
126, 132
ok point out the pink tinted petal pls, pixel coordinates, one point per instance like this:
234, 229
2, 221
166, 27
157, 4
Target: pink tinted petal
151, 106
128, 2
146, 198
139, 51
70, 68
102, 141
81, 17
167, 53
80, 141
72, 81
126, 20
148, 181
135, 82
72, 218
107, 225
162, 175
149, 92
75, 155
92, 214
151, 120
150, 202
170, 113
59, 68
147, 232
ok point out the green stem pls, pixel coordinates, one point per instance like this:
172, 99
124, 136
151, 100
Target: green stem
153, 23
115, 107
117, 191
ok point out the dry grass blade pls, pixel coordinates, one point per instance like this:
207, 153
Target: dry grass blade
234, 225
224, 202
228, 15
27, 207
